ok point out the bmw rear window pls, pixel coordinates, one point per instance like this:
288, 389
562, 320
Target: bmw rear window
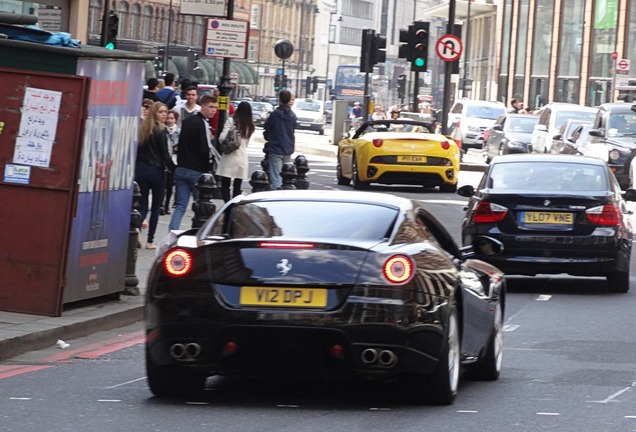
548, 176
311, 219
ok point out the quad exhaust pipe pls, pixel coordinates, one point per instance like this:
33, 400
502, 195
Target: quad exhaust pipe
186, 351
382, 358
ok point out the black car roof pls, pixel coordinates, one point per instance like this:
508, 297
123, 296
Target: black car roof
318, 195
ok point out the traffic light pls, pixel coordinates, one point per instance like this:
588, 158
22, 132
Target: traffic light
112, 28
159, 60
401, 82
277, 82
419, 42
308, 85
365, 50
378, 49
314, 87
284, 82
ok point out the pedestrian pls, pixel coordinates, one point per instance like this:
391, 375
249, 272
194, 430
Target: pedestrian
214, 122
168, 94
145, 108
195, 156
233, 167
151, 91
378, 113
278, 132
152, 160
356, 111
516, 107
190, 107
181, 96
173, 139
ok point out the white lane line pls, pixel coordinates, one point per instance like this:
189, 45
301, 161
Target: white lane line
613, 396
467, 411
631, 417
20, 398
548, 413
510, 327
544, 297
125, 383
108, 400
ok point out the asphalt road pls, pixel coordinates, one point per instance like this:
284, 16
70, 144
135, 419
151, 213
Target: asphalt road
569, 366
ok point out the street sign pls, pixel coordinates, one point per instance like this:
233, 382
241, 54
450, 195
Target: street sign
622, 66
449, 48
614, 55
207, 8
226, 38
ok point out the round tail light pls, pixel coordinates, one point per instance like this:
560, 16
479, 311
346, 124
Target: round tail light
177, 262
398, 268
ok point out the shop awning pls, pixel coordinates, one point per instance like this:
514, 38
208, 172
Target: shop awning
461, 9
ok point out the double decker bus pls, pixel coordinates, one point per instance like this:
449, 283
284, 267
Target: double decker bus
349, 83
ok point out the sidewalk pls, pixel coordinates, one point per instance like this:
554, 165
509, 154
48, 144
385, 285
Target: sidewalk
20, 333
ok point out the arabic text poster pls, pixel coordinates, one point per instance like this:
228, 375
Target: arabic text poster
38, 125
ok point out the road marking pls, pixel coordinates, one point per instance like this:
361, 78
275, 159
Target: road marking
613, 396
510, 327
20, 398
126, 383
108, 400
548, 414
467, 411
543, 297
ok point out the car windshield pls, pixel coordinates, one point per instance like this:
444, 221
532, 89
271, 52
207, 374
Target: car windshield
562, 116
306, 105
328, 220
622, 124
561, 177
521, 124
394, 126
484, 111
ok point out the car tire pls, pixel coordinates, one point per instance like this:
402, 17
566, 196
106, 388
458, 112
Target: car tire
342, 181
489, 367
618, 282
355, 179
441, 387
171, 381
448, 188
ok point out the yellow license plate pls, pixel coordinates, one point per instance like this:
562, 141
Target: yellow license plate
283, 297
411, 158
548, 218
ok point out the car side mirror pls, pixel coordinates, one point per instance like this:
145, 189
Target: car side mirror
466, 191
596, 133
557, 137
497, 127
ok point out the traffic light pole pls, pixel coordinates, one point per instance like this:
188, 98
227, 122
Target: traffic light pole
416, 91
225, 86
104, 35
448, 70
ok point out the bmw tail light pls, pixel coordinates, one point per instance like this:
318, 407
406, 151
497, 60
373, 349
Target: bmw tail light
445, 145
398, 269
377, 142
607, 215
177, 262
487, 212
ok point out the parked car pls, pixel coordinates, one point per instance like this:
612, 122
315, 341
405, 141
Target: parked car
553, 214
285, 283
551, 118
401, 151
470, 119
614, 140
578, 140
560, 140
310, 115
510, 134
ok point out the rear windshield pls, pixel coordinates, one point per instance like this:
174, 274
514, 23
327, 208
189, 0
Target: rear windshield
484, 111
548, 176
521, 124
562, 116
310, 219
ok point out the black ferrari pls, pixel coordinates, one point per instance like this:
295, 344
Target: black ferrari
326, 284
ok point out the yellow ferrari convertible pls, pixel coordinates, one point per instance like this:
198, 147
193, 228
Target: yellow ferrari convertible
399, 151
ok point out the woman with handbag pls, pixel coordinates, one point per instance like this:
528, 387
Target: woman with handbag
234, 164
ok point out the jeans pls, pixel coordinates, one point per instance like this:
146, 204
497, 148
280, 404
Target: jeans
151, 179
275, 167
185, 181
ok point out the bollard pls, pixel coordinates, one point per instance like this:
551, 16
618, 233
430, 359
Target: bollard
288, 173
203, 207
131, 280
265, 164
302, 167
259, 181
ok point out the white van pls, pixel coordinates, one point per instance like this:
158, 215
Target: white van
551, 118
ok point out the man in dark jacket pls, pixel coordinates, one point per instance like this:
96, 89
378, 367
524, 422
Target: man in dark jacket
279, 134
194, 156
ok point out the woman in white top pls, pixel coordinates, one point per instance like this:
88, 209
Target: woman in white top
235, 165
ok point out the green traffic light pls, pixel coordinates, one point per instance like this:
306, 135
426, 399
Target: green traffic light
419, 62
110, 45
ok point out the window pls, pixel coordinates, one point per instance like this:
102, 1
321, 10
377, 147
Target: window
255, 16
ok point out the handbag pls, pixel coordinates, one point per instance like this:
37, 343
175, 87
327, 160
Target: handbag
231, 142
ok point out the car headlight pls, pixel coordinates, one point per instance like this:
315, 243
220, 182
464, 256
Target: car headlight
474, 128
614, 155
